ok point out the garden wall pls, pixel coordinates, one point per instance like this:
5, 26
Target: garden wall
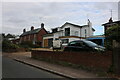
89, 59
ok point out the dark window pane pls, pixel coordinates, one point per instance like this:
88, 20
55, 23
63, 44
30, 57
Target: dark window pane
67, 31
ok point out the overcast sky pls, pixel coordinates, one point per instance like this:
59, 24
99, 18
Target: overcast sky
19, 15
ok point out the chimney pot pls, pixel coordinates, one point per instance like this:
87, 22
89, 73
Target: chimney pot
110, 20
32, 28
42, 25
24, 30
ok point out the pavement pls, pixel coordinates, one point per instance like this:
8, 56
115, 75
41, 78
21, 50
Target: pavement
25, 57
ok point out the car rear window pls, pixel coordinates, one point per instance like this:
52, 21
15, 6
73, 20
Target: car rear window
90, 43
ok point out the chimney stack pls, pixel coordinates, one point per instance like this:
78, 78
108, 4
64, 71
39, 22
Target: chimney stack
110, 20
42, 25
24, 30
32, 28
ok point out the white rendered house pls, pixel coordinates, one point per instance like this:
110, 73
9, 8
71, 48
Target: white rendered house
70, 32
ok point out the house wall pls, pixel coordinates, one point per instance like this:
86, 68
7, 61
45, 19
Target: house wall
34, 37
28, 37
40, 34
45, 40
76, 31
58, 34
89, 31
83, 31
72, 30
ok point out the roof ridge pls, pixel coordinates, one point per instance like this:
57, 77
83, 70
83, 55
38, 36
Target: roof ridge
31, 32
73, 23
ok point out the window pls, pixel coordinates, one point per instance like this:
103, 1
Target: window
65, 40
24, 38
74, 43
56, 38
54, 30
90, 43
76, 33
29, 37
34, 38
79, 44
67, 31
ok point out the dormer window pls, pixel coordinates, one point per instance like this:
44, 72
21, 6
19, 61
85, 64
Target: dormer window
54, 30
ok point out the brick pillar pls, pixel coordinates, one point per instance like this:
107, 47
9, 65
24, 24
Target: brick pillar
116, 57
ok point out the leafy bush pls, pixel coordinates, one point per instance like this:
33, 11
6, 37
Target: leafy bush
113, 33
8, 46
29, 44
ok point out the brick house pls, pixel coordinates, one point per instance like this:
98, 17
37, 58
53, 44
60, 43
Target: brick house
34, 35
109, 24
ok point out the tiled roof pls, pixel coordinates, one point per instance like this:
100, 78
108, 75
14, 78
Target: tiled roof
71, 24
31, 32
77, 25
93, 29
118, 22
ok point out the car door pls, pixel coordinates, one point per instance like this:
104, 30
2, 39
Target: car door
71, 46
75, 46
79, 46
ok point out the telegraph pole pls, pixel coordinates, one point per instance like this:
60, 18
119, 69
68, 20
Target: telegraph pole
111, 12
87, 17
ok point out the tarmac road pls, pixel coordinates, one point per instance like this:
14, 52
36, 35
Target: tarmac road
14, 69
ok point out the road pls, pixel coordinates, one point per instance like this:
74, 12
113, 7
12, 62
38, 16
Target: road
14, 69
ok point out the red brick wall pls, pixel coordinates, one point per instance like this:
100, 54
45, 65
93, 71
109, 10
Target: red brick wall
40, 34
94, 60
22, 38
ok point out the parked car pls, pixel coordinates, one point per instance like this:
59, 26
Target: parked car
83, 45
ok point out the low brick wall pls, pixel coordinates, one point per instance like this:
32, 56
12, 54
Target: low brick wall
95, 60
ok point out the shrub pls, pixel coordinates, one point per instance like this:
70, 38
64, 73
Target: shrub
8, 46
113, 33
29, 44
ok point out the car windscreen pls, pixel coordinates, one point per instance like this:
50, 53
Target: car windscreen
89, 43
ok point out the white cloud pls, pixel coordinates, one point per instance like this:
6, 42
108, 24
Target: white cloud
53, 14
60, 0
